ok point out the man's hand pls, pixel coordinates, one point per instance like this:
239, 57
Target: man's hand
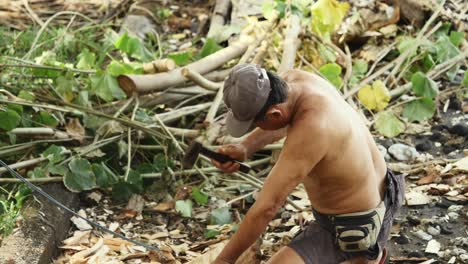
235, 151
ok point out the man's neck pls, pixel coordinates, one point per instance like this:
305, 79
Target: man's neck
292, 103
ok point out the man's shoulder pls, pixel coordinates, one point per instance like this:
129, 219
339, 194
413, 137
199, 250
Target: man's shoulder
296, 75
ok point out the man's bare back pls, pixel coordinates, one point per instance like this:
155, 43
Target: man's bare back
328, 148
350, 176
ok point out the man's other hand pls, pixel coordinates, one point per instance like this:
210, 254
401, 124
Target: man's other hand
235, 151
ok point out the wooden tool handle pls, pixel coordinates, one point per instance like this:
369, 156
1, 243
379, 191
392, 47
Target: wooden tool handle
224, 158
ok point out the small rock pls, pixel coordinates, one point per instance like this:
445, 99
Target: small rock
459, 241
424, 145
453, 216
383, 151
434, 231
455, 208
437, 144
403, 152
445, 230
402, 239
433, 247
458, 251
423, 235
459, 129
464, 258
416, 198
413, 220
452, 260
454, 154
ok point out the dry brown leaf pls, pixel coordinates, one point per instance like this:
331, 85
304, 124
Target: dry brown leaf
75, 129
183, 193
164, 206
433, 175
79, 237
134, 206
81, 256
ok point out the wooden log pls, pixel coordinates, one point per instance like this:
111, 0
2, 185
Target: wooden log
163, 65
290, 44
218, 17
157, 82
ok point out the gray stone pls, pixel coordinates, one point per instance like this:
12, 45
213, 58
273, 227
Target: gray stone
458, 251
455, 208
423, 235
403, 152
464, 258
434, 231
384, 152
42, 231
453, 216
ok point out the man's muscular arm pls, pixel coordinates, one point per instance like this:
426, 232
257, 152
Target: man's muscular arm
259, 138
294, 164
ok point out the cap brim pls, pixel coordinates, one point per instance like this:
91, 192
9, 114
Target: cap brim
237, 128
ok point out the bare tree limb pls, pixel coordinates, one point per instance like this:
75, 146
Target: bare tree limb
161, 81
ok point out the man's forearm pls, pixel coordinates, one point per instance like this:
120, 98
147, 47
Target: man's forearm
259, 138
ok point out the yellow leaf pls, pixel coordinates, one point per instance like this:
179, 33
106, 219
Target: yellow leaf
375, 97
327, 15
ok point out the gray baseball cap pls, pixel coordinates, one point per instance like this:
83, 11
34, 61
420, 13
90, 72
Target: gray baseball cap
246, 91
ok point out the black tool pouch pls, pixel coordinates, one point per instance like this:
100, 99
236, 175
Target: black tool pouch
358, 232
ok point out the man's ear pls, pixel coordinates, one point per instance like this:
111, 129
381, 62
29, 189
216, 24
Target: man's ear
274, 112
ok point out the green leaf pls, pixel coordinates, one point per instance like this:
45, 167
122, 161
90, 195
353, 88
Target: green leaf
54, 153
57, 169
17, 108
445, 49
86, 60
268, 10
359, 71
181, 58
122, 191
428, 61
405, 44
375, 97
80, 177
209, 48
423, 86
65, 87
457, 38
326, 53
327, 15
133, 47
107, 87
9, 119
388, 124
26, 95
332, 72
199, 197
134, 178
419, 110
211, 233
116, 68
46, 119
465, 79
38, 172
184, 207
220, 216
104, 177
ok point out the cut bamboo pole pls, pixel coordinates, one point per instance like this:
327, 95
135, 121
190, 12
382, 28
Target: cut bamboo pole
200, 80
161, 81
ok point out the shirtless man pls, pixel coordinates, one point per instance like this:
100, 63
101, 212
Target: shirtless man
327, 148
